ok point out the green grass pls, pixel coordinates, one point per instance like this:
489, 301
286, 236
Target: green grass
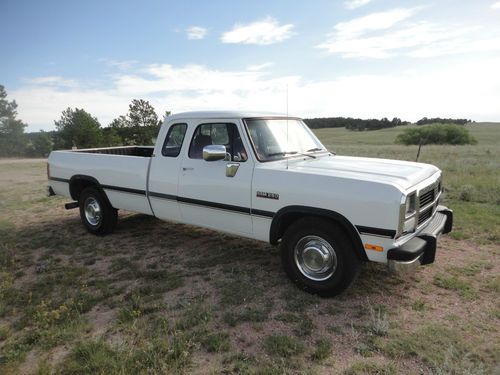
234, 317
239, 290
430, 343
365, 367
216, 342
194, 315
418, 305
304, 327
283, 346
322, 351
463, 287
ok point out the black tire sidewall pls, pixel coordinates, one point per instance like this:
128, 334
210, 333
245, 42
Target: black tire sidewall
107, 222
347, 262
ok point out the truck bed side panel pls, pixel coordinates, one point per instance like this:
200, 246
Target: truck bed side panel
123, 178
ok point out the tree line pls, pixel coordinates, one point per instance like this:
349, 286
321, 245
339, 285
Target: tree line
439, 120
358, 124
354, 123
76, 128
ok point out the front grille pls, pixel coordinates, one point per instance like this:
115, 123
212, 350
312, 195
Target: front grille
427, 196
424, 215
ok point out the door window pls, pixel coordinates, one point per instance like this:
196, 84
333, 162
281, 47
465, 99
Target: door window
173, 142
225, 134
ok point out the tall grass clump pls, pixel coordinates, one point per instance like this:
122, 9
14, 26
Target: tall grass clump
439, 134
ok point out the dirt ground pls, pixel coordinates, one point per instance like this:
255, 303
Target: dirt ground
158, 297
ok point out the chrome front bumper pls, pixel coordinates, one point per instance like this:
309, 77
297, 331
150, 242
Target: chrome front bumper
421, 249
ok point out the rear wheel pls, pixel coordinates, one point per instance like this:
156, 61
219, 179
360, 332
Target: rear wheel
97, 215
319, 257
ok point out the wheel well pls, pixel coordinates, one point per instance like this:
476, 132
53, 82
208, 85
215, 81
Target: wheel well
78, 183
288, 215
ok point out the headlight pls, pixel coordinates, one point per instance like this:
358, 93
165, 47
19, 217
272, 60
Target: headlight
410, 205
408, 220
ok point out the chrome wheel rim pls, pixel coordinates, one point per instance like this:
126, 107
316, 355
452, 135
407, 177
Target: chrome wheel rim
315, 258
92, 211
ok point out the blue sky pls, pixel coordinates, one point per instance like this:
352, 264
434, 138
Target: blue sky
360, 58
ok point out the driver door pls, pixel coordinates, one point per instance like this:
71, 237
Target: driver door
207, 195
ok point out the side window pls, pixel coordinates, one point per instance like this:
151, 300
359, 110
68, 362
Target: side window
173, 141
218, 134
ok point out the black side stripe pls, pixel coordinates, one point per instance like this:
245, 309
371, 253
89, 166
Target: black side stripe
108, 187
162, 196
124, 189
262, 213
221, 206
376, 231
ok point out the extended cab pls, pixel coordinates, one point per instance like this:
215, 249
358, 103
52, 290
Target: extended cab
268, 178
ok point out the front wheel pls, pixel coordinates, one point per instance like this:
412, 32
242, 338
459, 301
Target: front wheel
319, 257
97, 215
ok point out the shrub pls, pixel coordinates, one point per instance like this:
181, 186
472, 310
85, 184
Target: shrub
436, 134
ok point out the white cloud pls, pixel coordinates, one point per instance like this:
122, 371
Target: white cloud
52, 81
496, 5
266, 31
353, 4
470, 89
256, 67
392, 33
120, 64
374, 21
196, 32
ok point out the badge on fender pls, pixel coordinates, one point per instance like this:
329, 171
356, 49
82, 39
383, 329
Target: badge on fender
263, 194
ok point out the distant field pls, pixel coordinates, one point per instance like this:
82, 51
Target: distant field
161, 298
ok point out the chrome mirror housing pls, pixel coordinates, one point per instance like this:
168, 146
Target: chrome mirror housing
214, 152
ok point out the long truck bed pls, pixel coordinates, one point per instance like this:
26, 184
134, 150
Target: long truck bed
120, 170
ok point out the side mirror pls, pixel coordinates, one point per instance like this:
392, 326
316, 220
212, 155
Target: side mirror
214, 152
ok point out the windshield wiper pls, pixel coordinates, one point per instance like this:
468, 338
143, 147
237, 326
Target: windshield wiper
321, 149
283, 153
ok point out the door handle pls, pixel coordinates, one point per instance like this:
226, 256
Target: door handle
231, 169
187, 169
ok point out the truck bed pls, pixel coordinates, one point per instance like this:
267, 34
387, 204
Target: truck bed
141, 151
121, 171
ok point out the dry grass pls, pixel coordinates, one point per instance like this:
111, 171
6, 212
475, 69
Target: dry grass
158, 297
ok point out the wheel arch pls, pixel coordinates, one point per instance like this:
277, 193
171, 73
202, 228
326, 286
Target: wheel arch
80, 182
288, 215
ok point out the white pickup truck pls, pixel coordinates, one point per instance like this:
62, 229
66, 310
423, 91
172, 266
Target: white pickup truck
265, 177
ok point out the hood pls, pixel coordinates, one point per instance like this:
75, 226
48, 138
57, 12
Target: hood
403, 174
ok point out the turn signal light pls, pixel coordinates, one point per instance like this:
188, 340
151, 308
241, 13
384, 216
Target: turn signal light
373, 247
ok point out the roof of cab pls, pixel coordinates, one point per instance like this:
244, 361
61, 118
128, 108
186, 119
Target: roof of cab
223, 114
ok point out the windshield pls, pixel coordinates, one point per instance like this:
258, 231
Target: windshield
275, 139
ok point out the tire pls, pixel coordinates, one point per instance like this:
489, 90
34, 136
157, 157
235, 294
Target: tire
97, 214
319, 257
